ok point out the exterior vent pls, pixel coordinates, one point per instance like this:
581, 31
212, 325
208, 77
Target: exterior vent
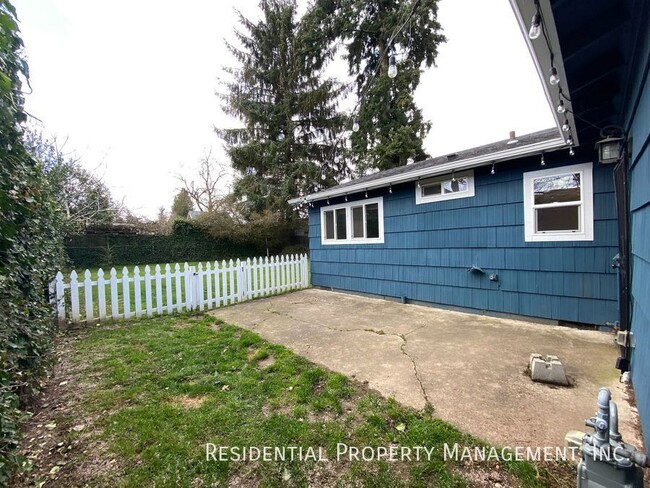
513, 139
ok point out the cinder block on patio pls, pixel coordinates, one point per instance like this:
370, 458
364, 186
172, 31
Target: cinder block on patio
549, 370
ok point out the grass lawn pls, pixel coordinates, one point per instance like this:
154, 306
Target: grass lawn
135, 405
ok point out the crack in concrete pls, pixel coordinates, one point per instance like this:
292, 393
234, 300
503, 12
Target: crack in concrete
427, 402
415, 330
415, 370
372, 331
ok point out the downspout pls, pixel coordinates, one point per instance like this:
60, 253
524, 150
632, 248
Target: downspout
621, 187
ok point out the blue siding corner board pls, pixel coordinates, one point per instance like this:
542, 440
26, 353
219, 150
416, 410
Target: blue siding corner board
638, 123
429, 248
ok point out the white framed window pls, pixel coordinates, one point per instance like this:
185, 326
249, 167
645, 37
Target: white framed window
559, 204
360, 222
445, 187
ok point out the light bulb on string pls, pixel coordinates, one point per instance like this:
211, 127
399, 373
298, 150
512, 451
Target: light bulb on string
554, 79
390, 189
569, 140
323, 177
453, 176
560, 107
492, 171
392, 67
535, 26
328, 201
281, 136
571, 151
355, 125
566, 127
346, 197
366, 193
542, 162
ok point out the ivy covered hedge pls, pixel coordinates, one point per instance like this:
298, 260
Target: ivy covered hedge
30, 252
186, 243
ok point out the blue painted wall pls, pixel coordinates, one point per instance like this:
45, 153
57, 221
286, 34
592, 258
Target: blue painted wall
638, 122
428, 249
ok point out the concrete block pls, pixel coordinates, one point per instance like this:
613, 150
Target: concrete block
549, 370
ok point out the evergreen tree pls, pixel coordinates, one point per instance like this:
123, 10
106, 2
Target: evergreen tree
288, 145
391, 127
182, 204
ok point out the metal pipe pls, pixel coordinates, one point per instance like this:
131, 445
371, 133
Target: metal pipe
614, 434
602, 418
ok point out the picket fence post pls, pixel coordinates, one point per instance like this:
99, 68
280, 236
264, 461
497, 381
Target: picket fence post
101, 294
198, 285
60, 297
137, 292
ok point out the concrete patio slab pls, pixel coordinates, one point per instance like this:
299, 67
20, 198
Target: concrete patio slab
471, 368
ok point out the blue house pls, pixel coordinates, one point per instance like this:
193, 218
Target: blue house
541, 225
601, 53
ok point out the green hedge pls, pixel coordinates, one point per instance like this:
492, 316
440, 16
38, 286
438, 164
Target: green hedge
30, 253
93, 251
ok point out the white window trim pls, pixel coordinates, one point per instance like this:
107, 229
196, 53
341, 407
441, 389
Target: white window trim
586, 206
420, 199
348, 222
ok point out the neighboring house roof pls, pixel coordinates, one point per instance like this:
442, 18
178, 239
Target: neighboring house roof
504, 150
192, 214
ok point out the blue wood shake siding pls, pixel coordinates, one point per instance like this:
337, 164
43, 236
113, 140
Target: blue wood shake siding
638, 120
428, 249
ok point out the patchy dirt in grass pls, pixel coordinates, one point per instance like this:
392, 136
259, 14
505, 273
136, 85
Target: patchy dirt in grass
266, 362
480, 475
186, 401
58, 443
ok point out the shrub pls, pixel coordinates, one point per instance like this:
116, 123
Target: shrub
30, 252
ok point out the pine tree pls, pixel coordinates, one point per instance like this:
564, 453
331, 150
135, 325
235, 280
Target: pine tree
182, 204
288, 146
391, 126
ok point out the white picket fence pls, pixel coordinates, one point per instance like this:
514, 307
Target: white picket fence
200, 287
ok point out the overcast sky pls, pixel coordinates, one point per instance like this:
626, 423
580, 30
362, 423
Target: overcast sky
131, 84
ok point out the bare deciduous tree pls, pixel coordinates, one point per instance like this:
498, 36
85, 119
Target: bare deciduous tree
82, 195
204, 189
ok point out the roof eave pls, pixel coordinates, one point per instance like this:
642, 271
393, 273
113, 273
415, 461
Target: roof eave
539, 52
414, 175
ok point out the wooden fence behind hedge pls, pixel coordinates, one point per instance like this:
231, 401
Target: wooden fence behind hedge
105, 296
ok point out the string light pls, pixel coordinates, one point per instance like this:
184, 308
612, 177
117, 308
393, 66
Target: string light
492, 171
453, 176
537, 28
281, 136
566, 127
328, 201
535, 24
542, 162
355, 125
366, 193
346, 197
390, 189
392, 67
